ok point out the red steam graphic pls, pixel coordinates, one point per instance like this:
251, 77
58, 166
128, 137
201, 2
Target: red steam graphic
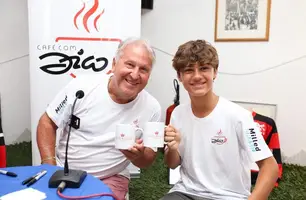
85, 19
77, 15
88, 14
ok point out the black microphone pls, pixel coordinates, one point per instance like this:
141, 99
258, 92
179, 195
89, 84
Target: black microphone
79, 95
69, 177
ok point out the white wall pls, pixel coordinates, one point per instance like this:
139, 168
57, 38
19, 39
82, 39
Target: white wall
14, 71
174, 22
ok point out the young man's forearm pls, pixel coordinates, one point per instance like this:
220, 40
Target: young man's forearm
146, 160
46, 137
267, 177
172, 158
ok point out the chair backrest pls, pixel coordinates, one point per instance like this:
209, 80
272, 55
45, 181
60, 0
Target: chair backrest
2, 151
175, 103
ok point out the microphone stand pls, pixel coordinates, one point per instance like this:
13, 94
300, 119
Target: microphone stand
66, 167
68, 178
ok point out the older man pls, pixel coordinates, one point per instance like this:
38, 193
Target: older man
109, 100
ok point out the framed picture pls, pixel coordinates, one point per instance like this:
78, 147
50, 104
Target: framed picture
269, 110
242, 20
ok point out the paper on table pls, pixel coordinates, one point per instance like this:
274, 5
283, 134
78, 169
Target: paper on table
28, 193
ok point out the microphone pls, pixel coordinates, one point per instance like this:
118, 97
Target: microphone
79, 94
70, 178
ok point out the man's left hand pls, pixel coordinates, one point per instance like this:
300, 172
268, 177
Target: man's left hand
135, 152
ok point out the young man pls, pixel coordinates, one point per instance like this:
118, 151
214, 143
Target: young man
109, 100
213, 139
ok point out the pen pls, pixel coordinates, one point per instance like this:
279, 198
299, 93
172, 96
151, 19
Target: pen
32, 177
36, 178
8, 173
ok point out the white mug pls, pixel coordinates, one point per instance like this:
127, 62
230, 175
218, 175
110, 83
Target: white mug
153, 134
126, 135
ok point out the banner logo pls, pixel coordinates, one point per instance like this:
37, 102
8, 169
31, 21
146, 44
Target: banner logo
62, 56
89, 13
65, 63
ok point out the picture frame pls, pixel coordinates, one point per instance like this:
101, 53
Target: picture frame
266, 109
242, 20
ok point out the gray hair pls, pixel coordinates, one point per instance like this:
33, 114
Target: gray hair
133, 40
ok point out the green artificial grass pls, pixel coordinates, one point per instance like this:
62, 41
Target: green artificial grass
19, 154
153, 183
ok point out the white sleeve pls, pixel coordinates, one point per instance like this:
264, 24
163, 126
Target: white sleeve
59, 109
252, 140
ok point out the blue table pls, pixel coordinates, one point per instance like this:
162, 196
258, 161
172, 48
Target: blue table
91, 185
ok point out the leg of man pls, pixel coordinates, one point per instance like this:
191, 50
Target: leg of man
176, 196
118, 184
181, 196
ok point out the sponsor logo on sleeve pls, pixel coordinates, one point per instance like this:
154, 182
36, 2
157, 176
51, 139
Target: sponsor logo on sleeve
253, 140
61, 106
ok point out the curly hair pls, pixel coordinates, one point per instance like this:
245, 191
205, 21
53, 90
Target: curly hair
195, 52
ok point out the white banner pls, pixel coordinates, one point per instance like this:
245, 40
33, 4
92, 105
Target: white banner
72, 37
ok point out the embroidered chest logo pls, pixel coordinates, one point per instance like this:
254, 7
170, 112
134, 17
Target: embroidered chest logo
136, 123
219, 139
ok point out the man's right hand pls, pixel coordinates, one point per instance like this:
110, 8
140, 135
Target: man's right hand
172, 138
